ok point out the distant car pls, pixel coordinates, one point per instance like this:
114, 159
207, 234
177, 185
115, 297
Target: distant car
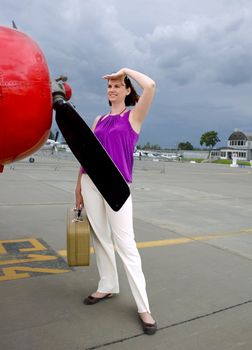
136, 154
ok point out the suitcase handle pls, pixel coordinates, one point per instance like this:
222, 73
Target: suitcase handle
78, 216
79, 212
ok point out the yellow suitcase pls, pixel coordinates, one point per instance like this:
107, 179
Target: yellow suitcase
78, 238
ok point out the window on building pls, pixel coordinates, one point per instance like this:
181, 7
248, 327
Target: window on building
215, 153
237, 143
223, 154
242, 154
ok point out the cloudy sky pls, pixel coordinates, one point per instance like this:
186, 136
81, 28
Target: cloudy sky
199, 52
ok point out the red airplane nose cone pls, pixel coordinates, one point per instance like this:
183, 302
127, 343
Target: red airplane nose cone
25, 96
68, 91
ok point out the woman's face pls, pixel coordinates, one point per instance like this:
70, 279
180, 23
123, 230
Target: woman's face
117, 91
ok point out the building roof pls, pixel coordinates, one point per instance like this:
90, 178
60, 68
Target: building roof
233, 149
240, 135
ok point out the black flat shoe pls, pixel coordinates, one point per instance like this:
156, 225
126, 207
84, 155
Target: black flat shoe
90, 300
148, 328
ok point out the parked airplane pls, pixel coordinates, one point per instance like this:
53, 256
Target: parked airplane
56, 146
140, 153
51, 144
171, 156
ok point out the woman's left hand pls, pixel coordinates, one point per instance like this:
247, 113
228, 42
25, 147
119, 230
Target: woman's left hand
117, 75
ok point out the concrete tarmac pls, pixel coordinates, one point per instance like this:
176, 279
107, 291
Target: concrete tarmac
194, 231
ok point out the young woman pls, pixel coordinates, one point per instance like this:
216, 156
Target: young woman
118, 131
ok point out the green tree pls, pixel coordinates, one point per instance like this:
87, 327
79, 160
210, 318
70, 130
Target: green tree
155, 147
185, 146
209, 139
149, 146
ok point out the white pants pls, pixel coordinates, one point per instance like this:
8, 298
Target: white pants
114, 227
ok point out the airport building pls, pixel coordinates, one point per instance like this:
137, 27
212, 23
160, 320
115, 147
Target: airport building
239, 145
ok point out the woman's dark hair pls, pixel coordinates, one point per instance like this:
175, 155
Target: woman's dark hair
133, 97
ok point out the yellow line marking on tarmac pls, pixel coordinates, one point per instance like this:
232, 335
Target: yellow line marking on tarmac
64, 252
30, 258
175, 241
34, 242
19, 272
10, 272
15, 253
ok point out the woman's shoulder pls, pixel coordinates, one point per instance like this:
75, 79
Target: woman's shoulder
98, 118
96, 121
127, 113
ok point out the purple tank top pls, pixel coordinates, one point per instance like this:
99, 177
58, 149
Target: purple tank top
119, 139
